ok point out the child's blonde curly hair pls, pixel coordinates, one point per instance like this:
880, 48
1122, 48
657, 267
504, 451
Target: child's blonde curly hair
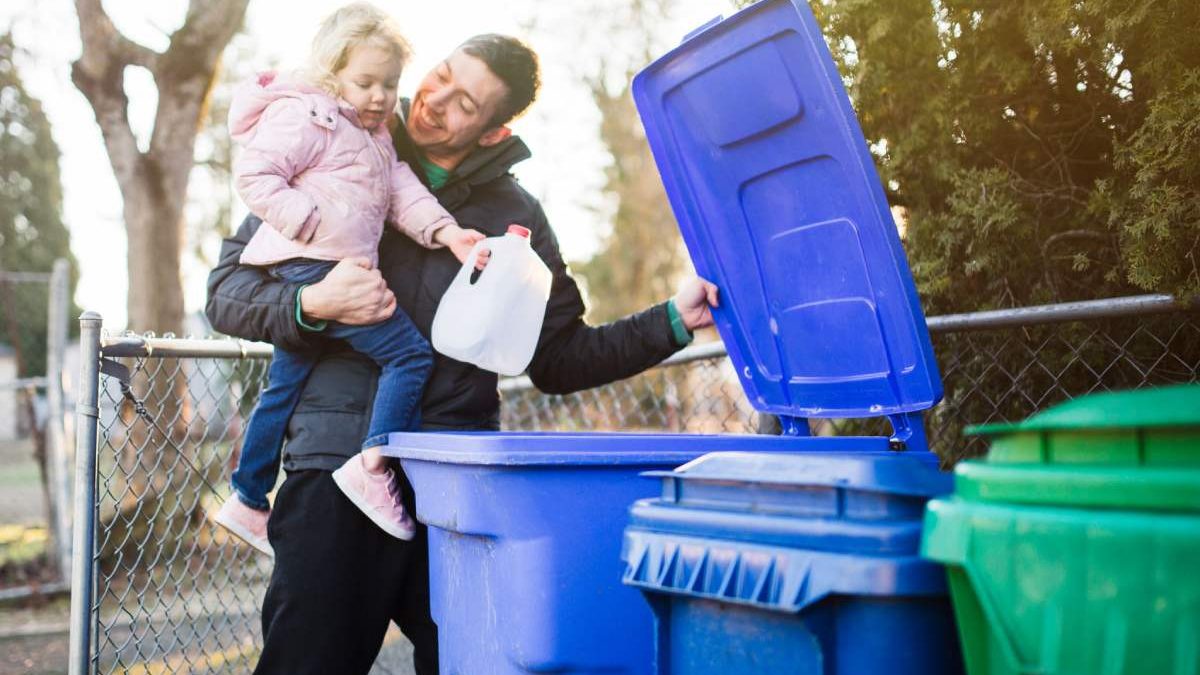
356, 24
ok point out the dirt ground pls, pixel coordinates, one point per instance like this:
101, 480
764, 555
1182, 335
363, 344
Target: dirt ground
33, 636
35, 655
33, 633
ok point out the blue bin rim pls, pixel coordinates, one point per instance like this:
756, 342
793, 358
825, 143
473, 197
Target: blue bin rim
609, 448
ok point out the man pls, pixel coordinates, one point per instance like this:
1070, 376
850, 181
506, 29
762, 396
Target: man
338, 579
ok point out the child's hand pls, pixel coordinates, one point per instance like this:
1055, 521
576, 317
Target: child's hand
460, 241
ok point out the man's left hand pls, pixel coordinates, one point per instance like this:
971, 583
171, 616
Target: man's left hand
693, 300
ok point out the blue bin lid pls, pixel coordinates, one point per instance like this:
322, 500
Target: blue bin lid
779, 203
849, 502
783, 531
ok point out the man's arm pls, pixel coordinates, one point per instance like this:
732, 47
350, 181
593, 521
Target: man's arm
247, 302
572, 355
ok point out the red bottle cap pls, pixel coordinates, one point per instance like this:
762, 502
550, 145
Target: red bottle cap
519, 231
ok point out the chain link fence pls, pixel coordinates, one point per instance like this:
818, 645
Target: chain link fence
173, 593
164, 591
996, 366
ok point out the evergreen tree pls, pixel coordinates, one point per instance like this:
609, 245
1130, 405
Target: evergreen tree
32, 233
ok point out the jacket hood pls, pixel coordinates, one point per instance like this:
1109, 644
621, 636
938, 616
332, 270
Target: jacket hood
251, 99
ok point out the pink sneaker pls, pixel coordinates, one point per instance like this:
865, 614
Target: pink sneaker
376, 496
245, 523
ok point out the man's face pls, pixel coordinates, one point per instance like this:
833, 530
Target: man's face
452, 111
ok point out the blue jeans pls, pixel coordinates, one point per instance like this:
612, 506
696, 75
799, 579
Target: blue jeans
404, 359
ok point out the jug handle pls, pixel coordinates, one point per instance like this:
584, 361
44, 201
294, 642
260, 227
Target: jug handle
469, 266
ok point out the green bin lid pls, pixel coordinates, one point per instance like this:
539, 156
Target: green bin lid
1129, 449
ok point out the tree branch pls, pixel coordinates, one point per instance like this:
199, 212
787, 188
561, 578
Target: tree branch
100, 75
187, 70
197, 46
104, 46
1093, 235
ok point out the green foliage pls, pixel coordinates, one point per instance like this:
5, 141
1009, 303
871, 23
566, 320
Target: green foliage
1154, 202
1043, 150
32, 233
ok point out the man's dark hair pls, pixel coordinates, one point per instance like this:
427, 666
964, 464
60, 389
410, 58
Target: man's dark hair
517, 67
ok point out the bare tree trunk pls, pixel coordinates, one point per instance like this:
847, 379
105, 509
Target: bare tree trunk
154, 183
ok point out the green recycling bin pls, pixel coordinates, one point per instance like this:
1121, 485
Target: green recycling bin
1074, 547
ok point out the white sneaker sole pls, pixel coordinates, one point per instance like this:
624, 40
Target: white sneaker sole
242, 533
384, 524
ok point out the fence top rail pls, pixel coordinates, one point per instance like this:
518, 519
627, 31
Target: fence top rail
1108, 308
1137, 305
199, 348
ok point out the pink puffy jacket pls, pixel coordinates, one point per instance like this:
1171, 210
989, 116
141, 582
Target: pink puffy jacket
323, 184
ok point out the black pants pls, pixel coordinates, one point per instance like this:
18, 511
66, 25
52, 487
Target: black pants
338, 580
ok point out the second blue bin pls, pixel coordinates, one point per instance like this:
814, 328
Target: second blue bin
794, 563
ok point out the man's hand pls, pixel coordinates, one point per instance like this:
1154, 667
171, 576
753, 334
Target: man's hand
693, 299
460, 242
353, 293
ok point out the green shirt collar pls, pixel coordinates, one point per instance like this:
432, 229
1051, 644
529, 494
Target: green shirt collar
437, 175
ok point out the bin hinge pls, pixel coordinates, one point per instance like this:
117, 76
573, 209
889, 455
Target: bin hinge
908, 429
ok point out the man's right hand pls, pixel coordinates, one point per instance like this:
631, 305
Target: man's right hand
353, 293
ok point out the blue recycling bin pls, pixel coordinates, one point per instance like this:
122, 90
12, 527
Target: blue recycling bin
804, 563
779, 205
525, 540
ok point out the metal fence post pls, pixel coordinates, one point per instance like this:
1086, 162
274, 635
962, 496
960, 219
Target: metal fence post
56, 432
87, 416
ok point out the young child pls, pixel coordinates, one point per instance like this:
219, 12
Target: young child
318, 166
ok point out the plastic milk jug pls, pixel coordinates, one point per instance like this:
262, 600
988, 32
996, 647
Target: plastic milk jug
493, 321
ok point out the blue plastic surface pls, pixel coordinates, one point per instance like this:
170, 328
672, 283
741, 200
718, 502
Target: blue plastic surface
801, 563
779, 203
525, 539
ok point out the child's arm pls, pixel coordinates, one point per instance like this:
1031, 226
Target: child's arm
417, 213
414, 210
284, 145
460, 242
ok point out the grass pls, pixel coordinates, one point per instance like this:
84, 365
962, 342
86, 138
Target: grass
20, 475
21, 545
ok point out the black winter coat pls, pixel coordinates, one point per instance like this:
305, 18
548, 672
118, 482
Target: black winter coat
331, 419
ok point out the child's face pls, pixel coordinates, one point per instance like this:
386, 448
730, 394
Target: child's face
368, 82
